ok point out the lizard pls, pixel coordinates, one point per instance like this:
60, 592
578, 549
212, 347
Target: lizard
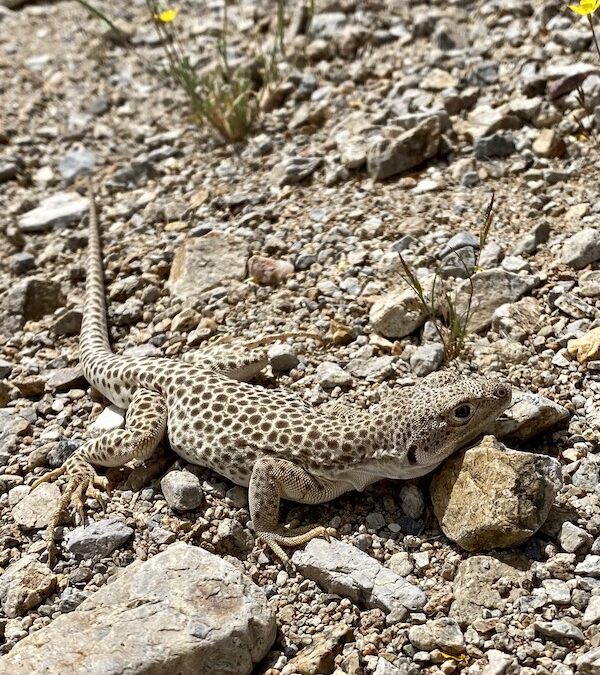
269, 440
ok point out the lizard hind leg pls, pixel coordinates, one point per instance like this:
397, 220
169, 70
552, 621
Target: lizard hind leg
274, 478
145, 425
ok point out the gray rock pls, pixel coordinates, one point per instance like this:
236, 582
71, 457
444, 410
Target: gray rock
343, 569
401, 564
589, 284
492, 497
68, 323
517, 320
427, 358
411, 501
500, 663
21, 263
11, 427
589, 663
29, 299
460, 263
592, 612
182, 490
9, 168
24, 585
372, 369
390, 156
590, 566
77, 163
582, 248
458, 241
231, 537
496, 145
203, 263
294, 170
529, 415
98, 539
60, 209
571, 538
476, 589
492, 288
36, 509
559, 629
5, 368
557, 591
183, 611
444, 634
587, 475
330, 375
282, 357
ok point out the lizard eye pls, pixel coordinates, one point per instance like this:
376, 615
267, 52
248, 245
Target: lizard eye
463, 412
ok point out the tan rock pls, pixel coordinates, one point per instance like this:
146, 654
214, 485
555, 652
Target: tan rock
475, 588
492, 497
319, 656
35, 510
269, 271
203, 263
586, 348
549, 144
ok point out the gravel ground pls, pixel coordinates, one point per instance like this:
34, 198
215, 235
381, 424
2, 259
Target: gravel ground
480, 97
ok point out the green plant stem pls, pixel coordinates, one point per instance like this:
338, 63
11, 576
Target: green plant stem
594, 34
96, 12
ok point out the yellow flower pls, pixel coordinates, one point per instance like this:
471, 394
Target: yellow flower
585, 7
171, 14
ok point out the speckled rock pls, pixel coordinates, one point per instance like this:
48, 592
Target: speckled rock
35, 510
24, 585
184, 611
492, 497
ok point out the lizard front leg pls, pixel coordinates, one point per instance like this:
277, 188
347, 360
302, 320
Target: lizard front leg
273, 479
145, 426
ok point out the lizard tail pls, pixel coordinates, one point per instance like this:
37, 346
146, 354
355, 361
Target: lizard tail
93, 341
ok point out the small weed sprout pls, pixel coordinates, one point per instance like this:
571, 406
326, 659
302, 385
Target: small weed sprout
450, 323
225, 98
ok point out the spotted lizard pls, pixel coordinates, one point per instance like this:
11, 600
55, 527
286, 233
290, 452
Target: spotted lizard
269, 440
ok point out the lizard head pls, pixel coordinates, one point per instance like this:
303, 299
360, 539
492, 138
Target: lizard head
447, 411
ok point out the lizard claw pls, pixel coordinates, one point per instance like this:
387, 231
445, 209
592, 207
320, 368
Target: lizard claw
83, 482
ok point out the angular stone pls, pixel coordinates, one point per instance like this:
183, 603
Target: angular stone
559, 629
98, 539
592, 612
589, 663
24, 585
36, 509
390, 156
294, 170
330, 375
343, 569
55, 211
397, 314
496, 145
491, 288
182, 490
204, 263
582, 248
184, 611
529, 414
77, 163
427, 359
492, 497
29, 299
549, 144
475, 585
571, 538
445, 634
319, 656
589, 566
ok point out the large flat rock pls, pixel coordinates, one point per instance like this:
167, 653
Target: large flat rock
184, 612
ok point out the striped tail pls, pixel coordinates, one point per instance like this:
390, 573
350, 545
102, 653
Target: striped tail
93, 341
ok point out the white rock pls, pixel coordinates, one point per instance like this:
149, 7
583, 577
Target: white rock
592, 612
59, 209
571, 538
343, 569
109, 419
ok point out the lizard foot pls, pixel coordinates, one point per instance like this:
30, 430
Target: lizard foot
83, 482
294, 537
